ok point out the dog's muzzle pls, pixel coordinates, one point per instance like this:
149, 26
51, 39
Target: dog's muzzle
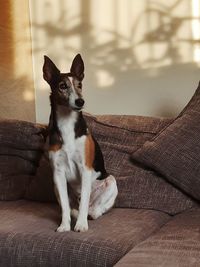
79, 103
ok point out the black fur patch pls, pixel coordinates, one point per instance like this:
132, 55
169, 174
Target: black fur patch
55, 137
98, 164
54, 133
80, 126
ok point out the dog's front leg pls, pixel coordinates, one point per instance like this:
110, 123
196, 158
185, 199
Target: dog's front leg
61, 187
82, 222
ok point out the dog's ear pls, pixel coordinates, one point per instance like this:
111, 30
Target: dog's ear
77, 68
50, 71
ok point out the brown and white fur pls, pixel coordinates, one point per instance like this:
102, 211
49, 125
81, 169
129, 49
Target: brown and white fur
74, 154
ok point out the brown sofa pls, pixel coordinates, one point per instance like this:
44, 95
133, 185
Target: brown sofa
154, 223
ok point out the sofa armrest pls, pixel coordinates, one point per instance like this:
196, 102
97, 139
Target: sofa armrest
21, 135
21, 146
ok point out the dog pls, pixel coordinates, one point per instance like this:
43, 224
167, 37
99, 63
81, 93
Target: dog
74, 154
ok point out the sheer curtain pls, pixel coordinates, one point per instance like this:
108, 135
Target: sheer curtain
16, 74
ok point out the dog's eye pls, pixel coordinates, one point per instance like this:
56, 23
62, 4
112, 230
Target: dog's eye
63, 86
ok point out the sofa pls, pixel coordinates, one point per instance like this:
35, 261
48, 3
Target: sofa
156, 217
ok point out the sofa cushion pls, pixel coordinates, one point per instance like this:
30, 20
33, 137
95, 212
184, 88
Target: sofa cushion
175, 151
12, 165
176, 244
21, 135
21, 146
28, 237
146, 189
14, 187
120, 135
41, 186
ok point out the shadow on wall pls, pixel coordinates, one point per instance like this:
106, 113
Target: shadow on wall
155, 54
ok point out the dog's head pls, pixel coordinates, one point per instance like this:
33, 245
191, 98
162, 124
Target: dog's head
66, 88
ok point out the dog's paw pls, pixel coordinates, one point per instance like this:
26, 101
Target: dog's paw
63, 228
94, 213
81, 226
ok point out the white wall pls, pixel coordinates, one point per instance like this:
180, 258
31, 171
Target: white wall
141, 57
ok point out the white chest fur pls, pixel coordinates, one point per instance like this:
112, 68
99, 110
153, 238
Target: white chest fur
70, 158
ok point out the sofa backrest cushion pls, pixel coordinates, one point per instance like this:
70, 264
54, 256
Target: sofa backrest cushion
21, 145
120, 135
175, 151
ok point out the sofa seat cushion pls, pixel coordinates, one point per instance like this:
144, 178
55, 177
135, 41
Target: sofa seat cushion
28, 237
175, 244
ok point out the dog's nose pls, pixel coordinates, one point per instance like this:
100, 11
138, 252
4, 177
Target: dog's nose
79, 102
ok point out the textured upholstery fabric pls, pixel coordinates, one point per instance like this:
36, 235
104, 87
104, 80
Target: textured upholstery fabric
145, 189
177, 244
21, 145
138, 187
11, 165
20, 135
118, 137
28, 237
41, 187
175, 151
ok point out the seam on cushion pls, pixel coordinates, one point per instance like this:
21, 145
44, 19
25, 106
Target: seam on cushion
21, 157
157, 134
9, 145
154, 168
117, 127
116, 147
147, 237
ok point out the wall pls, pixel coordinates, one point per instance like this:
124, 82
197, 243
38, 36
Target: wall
16, 77
141, 57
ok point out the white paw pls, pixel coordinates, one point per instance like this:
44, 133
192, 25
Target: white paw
94, 214
81, 226
63, 228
